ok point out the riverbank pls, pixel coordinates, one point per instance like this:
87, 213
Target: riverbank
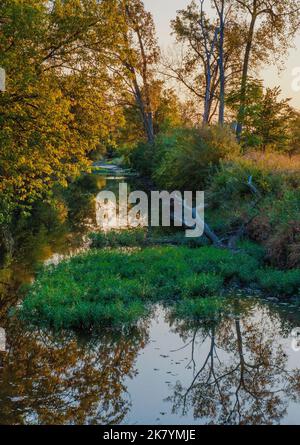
160, 343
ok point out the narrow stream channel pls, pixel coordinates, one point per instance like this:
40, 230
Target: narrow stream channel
239, 369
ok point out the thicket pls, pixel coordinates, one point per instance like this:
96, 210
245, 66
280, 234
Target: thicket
257, 191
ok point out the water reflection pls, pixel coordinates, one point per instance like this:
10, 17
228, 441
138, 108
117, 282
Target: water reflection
239, 370
241, 373
52, 233
67, 380
233, 370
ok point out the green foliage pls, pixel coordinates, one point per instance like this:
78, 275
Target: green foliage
253, 249
142, 158
184, 158
294, 136
279, 282
201, 285
118, 238
271, 215
225, 263
140, 238
187, 158
229, 187
267, 118
201, 308
277, 225
113, 286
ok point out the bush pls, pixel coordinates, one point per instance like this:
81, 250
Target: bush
274, 214
277, 226
184, 158
188, 157
141, 158
228, 187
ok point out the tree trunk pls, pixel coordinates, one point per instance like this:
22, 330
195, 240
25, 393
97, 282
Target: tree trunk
8, 242
147, 117
208, 77
241, 113
207, 97
221, 67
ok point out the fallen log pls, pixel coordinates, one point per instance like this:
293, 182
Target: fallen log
209, 232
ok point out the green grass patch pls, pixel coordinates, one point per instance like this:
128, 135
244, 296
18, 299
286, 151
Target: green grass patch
119, 238
280, 283
140, 238
112, 286
201, 284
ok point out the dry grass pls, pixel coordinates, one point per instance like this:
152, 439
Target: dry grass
276, 161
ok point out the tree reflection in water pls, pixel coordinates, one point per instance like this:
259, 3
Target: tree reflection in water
240, 370
47, 380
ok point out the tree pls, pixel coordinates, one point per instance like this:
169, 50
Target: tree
54, 110
267, 118
220, 7
209, 42
273, 119
277, 21
167, 112
134, 56
294, 135
210, 59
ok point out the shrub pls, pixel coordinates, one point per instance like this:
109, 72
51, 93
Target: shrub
277, 226
274, 215
187, 157
229, 187
141, 158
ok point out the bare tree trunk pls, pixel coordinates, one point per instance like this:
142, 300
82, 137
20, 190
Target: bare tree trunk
141, 94
208, 76
241, 114
207, 98
221, 64
209, 51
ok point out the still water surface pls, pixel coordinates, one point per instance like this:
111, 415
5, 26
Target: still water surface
241, 369
238, 369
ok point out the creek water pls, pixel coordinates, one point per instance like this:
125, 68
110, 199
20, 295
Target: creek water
240, 369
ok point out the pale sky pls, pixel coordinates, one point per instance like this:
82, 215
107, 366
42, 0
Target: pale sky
165, 10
